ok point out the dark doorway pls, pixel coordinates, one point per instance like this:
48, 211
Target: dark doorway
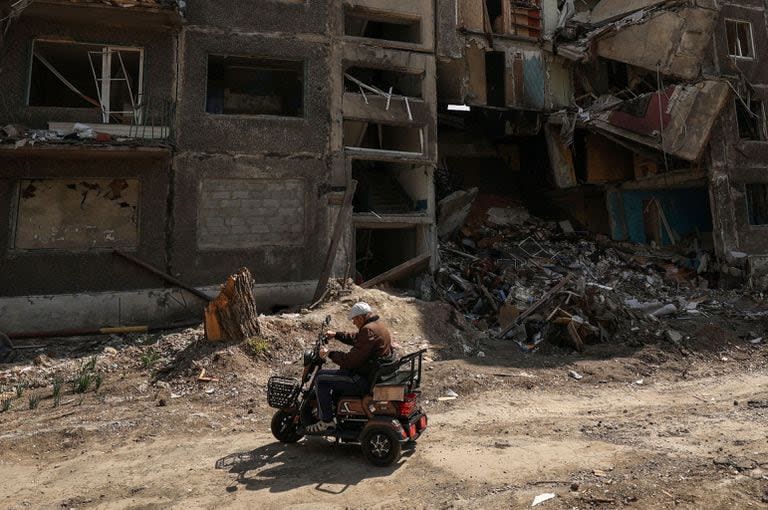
495, 70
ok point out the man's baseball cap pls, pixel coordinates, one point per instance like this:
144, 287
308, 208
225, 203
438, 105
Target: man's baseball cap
360, 308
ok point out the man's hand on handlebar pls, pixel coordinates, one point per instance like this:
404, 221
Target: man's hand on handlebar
329, 334
323, 352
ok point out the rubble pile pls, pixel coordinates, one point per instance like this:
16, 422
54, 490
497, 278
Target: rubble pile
517, 277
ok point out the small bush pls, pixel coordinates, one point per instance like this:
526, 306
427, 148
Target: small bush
20, 390
149, 358
33, 401
97, 380
258, 345
6, 404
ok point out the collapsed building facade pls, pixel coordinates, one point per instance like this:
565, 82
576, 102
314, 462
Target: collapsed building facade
204, 136
649, 115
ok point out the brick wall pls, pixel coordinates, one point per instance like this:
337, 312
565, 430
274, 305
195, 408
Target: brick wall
242, 213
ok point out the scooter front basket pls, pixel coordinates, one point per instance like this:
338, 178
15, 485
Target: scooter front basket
282, 391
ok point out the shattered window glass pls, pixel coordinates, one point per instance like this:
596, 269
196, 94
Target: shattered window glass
739, 39
757, 203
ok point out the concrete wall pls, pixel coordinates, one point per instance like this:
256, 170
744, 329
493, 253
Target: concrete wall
735, 162
269, 255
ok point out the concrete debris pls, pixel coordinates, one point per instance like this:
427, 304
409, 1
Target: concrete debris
507, 216
575, 375
532, 282
453, 210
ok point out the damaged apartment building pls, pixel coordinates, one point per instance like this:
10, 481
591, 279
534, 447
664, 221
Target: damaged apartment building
642, 120
199, 137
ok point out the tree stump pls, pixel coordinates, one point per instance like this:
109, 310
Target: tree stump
232, 315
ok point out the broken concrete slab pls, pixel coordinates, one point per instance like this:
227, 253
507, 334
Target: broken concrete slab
677, 121
452, 211
672, 42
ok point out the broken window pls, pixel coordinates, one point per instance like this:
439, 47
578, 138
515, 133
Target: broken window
74, 75
387, 137
740, 43
397, 28
757, 203
384, 80
390, 188
255, 86
750, 118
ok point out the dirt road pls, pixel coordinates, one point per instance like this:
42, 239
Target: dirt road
684, 444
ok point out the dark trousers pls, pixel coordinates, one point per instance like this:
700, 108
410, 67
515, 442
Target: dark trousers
332, 384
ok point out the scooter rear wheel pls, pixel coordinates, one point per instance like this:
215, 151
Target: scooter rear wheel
284, 427
381, 446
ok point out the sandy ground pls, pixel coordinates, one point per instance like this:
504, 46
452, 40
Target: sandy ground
647, 427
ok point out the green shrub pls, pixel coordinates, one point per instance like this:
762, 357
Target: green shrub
149, 358
82, 382
258, 345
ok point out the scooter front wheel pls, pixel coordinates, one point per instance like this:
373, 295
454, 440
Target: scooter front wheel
284, 427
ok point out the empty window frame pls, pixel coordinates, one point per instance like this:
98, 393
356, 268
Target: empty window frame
386, 27
379, 250
402, 83
255, 86
359, 134
750, 117
495, 15
757, 203
740, 40
76, 75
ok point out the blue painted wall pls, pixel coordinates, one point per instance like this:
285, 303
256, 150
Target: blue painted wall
687, 210
534, 80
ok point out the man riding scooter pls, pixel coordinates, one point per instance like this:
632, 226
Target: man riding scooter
371, 347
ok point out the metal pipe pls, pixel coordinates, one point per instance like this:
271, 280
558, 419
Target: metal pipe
165, 276
100, 331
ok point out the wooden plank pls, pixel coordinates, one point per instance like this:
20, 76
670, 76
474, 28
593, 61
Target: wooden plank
338, 229
406, 268
546, 297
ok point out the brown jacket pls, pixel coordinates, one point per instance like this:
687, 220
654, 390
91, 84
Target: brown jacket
370, 346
